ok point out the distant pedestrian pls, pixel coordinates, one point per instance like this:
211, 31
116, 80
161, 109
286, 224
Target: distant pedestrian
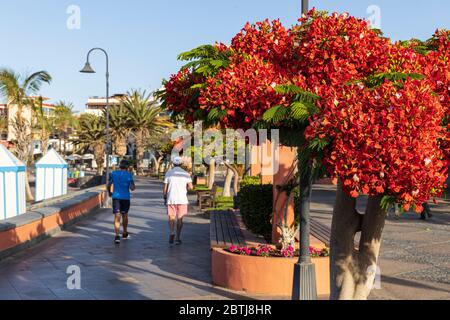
120, 184
426, 213
177, 182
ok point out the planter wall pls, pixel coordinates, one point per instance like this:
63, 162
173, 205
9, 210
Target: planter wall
23, 231
257, 275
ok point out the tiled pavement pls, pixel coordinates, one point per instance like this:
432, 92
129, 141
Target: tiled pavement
415, 255
415, 258
144, 267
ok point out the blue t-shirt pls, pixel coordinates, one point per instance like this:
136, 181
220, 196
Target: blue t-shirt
121, 181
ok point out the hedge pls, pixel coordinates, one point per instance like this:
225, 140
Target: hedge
255, 204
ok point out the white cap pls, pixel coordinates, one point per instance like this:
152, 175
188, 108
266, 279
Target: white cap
177, 161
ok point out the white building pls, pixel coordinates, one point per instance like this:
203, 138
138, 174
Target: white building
96, 105
12, 185
51, 176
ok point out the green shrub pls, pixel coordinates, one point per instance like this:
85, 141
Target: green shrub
255, 203
248, 180
201, 187
222, 203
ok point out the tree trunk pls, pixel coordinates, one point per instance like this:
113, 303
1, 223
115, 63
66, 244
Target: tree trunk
227, 184
158, 164
45, 138
140, 148
121, 147
99, 155
24, 138
236, 177
353, 270
212, 172
28, 193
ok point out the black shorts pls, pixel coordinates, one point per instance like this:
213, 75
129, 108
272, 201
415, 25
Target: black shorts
121, 206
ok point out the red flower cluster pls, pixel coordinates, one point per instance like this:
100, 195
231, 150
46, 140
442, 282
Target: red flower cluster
334, 49
438, 71
179, 95
385, 141
269, 41
245, 90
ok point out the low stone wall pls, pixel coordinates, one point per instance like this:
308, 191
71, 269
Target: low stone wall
38, 224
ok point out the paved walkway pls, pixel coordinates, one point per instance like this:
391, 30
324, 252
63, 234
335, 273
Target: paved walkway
415, 258
144, 267
415, 254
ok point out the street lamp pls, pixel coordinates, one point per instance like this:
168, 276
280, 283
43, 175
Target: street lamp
88, 69
304, 287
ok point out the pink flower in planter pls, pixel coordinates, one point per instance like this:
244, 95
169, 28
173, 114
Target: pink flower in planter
288, 253
233, 249
263, 251
245, 251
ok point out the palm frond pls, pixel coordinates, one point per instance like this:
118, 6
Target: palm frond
34, 82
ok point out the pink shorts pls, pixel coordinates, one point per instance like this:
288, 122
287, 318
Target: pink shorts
177, 210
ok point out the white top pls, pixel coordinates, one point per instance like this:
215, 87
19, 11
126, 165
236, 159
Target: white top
7, 159
51, 157
177, 180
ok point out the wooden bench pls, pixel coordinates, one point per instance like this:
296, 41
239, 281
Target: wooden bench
224, 230
207, 198
322, 232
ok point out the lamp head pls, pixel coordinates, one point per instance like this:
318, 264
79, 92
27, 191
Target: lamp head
87, 68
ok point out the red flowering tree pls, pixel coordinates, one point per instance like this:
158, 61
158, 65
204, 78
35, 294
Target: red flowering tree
377, 117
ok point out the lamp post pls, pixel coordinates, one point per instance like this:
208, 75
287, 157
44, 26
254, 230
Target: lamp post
88, 69
304, 287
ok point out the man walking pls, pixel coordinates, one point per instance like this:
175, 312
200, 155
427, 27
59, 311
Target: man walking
120, 184
177, 182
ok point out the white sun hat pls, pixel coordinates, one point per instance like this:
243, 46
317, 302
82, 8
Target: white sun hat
177, 161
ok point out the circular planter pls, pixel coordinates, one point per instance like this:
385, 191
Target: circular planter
258, 275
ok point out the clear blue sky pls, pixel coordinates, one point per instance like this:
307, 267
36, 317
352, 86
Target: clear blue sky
144, 37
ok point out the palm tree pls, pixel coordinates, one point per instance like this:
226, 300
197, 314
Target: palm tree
18, 91
42, 122
145, 120
120, 128
91, 136
64, 123
3, 125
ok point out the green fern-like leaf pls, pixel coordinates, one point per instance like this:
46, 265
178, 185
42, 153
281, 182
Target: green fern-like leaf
276, 114
216, 115
387, 201
299, 111
300, 94
200, 52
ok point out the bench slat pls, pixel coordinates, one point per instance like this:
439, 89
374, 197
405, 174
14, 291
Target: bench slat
237, 231
220, 234
232, 229
320, 231
229, 229
225, 230
213, 230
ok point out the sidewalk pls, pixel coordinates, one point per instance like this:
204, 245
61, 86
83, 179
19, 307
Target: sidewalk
415, 254
414, 262
144, 267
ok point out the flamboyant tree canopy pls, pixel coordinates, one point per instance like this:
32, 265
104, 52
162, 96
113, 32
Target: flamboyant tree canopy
380, 122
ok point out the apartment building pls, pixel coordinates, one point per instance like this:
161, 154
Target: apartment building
9, 112
96, 105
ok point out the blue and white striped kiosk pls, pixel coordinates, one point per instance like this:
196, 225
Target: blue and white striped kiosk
51, 176
12, 185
